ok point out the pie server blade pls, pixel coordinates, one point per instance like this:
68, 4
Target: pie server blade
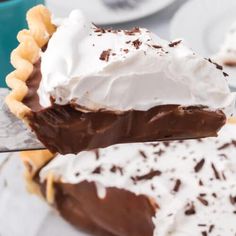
14, 134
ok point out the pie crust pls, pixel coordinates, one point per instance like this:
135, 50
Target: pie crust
31, 41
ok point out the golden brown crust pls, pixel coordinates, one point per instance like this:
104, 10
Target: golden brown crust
34, 161
231, 120
25, 55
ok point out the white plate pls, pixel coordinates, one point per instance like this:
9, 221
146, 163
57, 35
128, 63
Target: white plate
100, 14
203, 24
22, 214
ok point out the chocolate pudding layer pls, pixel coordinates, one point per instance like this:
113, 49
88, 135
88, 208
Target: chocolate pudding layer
119, 213
66, 129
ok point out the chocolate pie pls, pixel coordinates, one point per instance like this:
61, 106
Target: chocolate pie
152, 189
80, 87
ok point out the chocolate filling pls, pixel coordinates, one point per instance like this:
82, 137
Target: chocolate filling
66, 130
120, 213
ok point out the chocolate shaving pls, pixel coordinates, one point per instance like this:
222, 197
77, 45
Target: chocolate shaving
77, 174
219, 67
166, 143
200, 182
203, 201
148, 176
223, 175
126, 50
157, 46
114, 169
177, 185
143, 154
175, 43
223, 155
199, 165
105, 55
232, 199
190, 210
214, 195
216, 173
137, 43
97, 170
204, 233
97, 154
225, 74
160, 152
224, 146
152, 187
233, 141
211, 228
100, 30
153, 144
132, 31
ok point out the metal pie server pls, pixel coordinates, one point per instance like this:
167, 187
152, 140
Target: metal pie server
14, 134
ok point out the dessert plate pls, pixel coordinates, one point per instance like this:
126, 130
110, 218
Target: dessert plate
100, 14
207, 23
27, 213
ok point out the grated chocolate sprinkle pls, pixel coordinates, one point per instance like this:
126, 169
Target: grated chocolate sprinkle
225, 74
97, 154
232, 199
216, 173
105, 55
214, 195
97, 170
115, 169
160, 152
177, 185
143, 154
204, 233
175, 43
211, 228
137, 43
203, 201
190, 210
150, 175
133, 31
100, 30
157, 46
199, 165
200, 183
224, 146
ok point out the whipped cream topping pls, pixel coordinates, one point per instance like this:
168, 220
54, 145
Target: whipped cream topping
192, 181
120, 70
227, 53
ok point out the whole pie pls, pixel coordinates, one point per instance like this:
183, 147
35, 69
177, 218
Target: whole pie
81, 87
144, 189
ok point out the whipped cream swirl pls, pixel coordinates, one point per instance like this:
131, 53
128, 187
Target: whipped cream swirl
121, 70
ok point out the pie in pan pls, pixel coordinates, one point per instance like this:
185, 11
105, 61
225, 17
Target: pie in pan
152, 189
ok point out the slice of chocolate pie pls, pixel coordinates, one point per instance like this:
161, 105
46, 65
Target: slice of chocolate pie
81, 87
177, 188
